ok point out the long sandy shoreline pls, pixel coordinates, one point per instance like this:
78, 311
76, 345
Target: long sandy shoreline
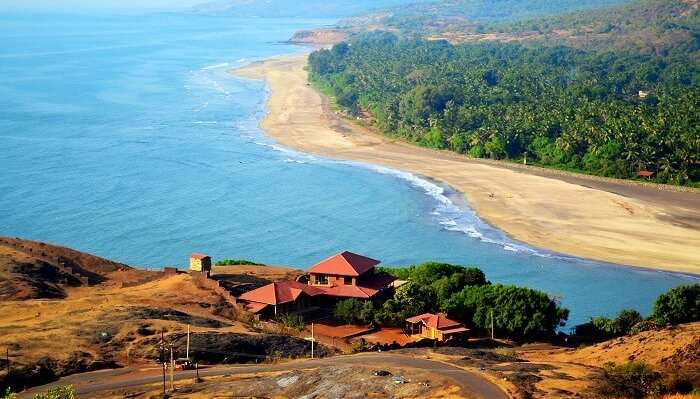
613, 223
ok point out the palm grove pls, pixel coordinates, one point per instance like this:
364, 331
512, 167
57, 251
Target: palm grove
556, 106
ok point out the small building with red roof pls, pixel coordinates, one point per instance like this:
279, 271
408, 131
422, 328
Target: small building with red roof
434, 326
646, 174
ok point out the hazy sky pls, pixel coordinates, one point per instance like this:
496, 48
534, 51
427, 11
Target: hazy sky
84, 4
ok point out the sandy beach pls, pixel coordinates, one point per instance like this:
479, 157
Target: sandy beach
607, 221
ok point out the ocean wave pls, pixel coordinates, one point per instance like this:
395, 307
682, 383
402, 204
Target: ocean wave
459, 219
216, 66
205, 122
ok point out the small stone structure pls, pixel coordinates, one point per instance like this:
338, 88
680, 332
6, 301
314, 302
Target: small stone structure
200, 263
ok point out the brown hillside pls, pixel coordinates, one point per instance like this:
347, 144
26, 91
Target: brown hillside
673, 351
30, 269
674, 348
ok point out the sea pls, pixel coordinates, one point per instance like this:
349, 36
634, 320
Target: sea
124, 135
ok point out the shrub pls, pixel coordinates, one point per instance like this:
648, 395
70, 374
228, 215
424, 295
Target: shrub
358, 346
633, 379
644, 325
626, 320
601, 328
353, 311
679, 305
64, 392
235, 262
294, 321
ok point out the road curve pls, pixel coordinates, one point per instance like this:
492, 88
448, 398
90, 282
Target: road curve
472, 384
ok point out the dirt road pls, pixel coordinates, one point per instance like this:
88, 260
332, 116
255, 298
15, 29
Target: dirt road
472, 384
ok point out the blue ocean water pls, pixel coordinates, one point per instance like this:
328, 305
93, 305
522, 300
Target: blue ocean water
124, 136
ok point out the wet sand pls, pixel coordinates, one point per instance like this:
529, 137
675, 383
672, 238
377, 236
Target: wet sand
601, 219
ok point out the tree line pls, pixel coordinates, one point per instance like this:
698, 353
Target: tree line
466, 296
520, 313
602, 113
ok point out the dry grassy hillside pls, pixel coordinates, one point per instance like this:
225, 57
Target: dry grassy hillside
673, 350
63, 312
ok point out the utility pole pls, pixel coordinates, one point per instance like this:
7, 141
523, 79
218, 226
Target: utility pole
172, 369
188, 343
162, 357
312, 340
491, 324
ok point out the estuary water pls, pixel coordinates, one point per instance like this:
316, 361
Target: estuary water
124, 136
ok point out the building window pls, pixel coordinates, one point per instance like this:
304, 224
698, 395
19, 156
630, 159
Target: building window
321, 279
347, 280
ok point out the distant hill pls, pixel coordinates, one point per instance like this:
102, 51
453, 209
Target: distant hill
32, 270
646, 26
291, 8
440, 16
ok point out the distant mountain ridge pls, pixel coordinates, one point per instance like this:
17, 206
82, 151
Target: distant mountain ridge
290, 8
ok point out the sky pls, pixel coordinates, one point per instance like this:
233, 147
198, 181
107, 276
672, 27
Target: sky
93, 4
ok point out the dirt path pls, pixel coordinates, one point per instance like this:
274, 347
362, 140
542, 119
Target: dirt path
472, 385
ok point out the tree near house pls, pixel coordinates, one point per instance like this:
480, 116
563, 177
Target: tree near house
409, 300
354, 311
518, 312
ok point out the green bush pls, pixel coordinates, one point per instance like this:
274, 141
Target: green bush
354, 311
644, 325
633, 379
600, 328
679, 305
294, 321
235, 262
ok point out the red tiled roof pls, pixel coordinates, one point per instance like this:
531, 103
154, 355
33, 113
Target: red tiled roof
438, 321
365, 289
645, 173
454, 331
255, 307
196, 255
350, 291
345, 264
279, 292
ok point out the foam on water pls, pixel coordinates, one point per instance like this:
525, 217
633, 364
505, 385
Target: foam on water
461, 219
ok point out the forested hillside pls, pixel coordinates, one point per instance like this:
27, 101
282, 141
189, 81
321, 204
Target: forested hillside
599, 111
429, 16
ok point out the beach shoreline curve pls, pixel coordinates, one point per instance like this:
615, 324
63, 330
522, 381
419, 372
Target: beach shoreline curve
568, 215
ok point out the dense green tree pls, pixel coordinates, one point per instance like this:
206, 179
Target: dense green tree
518, 312
410, 299
602, 328
354, 311
679, 305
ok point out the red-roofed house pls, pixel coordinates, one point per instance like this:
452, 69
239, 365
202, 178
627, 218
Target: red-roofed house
434, 326
279, 297
345, 275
